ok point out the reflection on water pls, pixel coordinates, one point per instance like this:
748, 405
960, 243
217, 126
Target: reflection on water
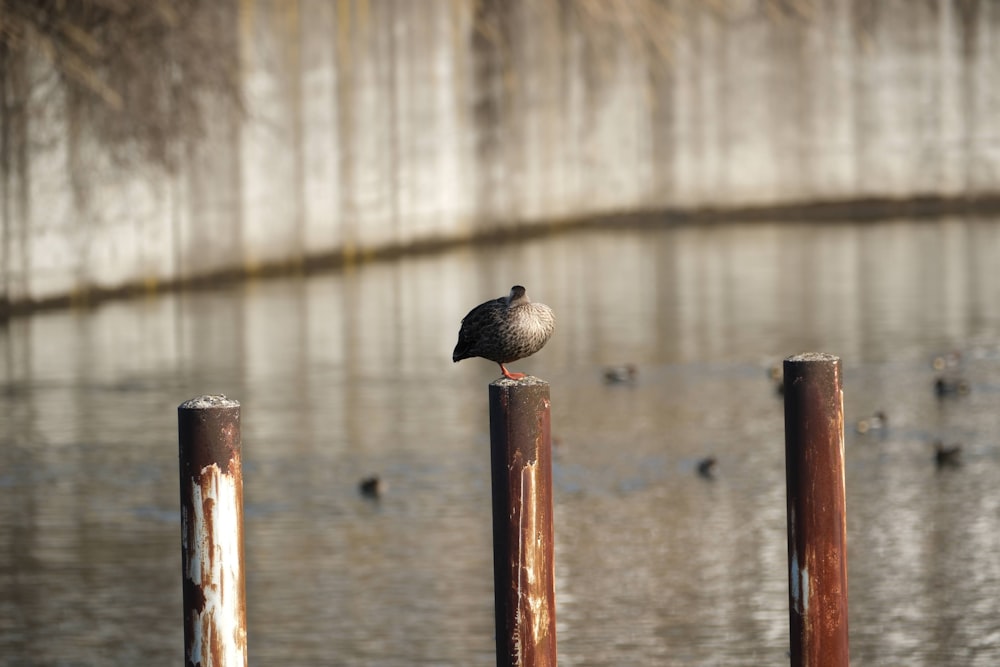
348, 374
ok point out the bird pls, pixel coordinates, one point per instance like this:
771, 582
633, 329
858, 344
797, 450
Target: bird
776, 372
948, 360
950, 387
505, 329
706, 467
877, 421
371, 487
946, 455
621, 374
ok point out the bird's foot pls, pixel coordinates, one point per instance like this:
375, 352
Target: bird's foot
511, 376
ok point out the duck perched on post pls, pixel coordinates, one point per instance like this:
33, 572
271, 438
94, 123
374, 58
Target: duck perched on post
505, 329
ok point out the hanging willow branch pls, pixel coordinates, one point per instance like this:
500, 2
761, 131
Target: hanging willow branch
137, 74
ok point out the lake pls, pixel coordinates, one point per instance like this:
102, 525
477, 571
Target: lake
349, 373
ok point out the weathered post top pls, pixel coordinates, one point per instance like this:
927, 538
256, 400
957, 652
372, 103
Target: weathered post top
527, 380
209, 431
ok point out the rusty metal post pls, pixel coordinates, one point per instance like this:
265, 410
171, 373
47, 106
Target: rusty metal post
212, 532
523, 546
817, 511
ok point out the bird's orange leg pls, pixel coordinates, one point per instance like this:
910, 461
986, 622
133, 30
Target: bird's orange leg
511, 376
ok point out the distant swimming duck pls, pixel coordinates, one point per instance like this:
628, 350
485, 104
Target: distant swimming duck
948, 360
505, 329
947, 455
371, 487
874, 423
950, 387
706, 467
621, 374
776, 372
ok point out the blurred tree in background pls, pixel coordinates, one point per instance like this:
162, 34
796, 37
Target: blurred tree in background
134, 74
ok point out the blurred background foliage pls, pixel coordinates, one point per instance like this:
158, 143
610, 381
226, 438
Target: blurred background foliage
136, 74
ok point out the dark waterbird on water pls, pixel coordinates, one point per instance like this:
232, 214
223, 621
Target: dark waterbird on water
506, 329
706, 467
947, 455
950, 387
371, 487
621, 374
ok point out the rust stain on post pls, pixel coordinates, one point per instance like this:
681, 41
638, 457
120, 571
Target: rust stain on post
817, 510
523, 547
211, 481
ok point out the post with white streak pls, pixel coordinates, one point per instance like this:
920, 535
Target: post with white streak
817, 511
212, 532
523, 549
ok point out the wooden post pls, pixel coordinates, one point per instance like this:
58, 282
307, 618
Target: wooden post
817, 511
523, 547
212, 532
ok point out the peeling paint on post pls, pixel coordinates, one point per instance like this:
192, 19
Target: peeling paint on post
212, 532
523, 548
817, 511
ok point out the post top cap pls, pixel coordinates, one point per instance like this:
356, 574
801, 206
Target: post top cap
208, 402
813, 356
526, 381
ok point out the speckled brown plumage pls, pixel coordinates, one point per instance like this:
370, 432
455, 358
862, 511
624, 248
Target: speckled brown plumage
504, 330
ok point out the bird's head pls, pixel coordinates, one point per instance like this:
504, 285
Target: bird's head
517, 297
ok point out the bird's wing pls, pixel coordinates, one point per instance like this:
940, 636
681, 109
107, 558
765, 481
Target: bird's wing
478, 319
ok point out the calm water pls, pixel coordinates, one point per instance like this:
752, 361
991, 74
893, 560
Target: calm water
348, 374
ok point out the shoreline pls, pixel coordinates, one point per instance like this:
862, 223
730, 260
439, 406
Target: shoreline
868, 209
